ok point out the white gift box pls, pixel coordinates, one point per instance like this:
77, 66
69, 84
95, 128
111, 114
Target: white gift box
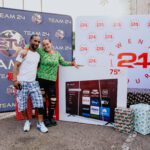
141, 118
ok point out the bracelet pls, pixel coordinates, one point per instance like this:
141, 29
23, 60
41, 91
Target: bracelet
72, 63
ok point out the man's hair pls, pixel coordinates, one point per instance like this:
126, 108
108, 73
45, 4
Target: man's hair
32, 36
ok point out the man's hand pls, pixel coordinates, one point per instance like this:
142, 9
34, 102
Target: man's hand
17, 85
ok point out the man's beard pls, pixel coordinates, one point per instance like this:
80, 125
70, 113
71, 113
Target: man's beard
34, 47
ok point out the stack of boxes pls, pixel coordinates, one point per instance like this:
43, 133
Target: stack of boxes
141, 118
124, 120
137, 118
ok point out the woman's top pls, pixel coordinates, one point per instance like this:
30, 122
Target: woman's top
49, 63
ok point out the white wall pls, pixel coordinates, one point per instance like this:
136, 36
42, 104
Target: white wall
34, 5
73, 8
82, 7
76, 8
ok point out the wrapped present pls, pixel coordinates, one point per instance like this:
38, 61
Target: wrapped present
146, 98
123, 120
136, 96
141, 118
130, 99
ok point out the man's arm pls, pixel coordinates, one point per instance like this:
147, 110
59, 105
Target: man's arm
15, 73
19, 60
16, 70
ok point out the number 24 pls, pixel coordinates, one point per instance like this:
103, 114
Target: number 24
125, 62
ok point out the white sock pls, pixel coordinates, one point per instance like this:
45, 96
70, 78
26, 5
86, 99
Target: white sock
27, 121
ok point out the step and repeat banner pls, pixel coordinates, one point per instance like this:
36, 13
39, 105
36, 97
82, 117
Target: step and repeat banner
112, 42
16, 27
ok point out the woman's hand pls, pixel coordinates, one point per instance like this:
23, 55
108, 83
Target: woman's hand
74, 64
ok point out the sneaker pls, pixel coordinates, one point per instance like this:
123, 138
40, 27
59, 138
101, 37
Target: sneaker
47, 123
41, 127
27, 125
53, 122
50, 122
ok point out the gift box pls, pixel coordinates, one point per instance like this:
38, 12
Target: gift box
123, 120
136, 96
131, 99
141, 118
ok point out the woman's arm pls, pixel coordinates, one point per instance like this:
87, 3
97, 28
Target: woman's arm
66, 63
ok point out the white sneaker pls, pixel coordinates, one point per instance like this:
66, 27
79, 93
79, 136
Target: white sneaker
41, 127
27, 125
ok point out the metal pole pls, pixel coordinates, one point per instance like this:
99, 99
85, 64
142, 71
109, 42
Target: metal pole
148, 8
41, 5
136, 6
23, 4
131, 7
2, 3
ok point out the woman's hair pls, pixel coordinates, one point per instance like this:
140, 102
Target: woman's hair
47, 39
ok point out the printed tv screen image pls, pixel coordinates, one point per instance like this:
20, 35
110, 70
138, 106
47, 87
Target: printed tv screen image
95, 99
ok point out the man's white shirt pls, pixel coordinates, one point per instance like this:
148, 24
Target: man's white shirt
28, 67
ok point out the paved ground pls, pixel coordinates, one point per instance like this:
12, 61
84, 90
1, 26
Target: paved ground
68, 136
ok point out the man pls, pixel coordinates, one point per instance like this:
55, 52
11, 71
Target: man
24, 74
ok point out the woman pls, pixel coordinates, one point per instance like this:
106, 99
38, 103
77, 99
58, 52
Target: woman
47, 75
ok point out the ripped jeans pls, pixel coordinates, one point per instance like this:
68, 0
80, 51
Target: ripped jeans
48, 88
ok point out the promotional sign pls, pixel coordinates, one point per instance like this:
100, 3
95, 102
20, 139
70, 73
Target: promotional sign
91, 94
16, 27
121, 42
